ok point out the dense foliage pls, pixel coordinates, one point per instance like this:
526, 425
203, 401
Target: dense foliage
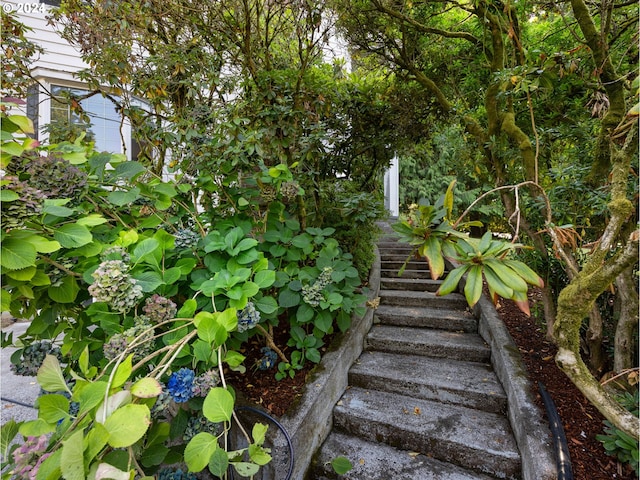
140, 300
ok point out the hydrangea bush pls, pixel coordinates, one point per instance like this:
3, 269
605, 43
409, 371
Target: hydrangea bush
146, 315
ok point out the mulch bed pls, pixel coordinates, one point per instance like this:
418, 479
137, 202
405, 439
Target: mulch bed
581, 421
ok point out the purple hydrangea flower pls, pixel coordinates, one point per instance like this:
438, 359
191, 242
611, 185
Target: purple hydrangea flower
180, 385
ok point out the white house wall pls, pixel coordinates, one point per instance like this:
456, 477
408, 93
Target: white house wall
59, 59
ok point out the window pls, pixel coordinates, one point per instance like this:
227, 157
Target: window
103, 126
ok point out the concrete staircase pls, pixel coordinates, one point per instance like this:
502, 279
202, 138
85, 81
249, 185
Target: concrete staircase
423, 401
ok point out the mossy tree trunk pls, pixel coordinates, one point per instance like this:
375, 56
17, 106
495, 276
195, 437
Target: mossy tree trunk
613, 254
578, 298
624, 345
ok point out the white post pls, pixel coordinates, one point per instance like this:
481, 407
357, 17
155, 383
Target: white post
391, 187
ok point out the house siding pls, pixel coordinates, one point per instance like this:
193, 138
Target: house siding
59, 60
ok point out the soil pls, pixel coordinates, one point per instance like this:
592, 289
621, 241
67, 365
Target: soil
581, 421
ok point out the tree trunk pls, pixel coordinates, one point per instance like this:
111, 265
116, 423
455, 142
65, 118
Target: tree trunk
578, 298
624, 345
574, 304
594, 342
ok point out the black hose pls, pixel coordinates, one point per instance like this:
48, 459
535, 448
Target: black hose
563, 460
281, 428
16, 402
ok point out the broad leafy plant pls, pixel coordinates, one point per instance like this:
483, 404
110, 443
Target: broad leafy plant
140, 301
436, 238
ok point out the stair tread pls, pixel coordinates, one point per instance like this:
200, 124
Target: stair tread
410, 335
475, 439
428, 342
377, 461
411, 370
408, 273
425, 312
410, 294
411, 284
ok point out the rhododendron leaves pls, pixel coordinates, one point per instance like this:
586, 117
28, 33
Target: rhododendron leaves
450, 283
473, 287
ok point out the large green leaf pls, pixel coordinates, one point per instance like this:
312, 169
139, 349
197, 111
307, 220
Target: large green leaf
50, 376
209, 329
288, 298
123, 372
121, 198
127, 425
128, 170
145, 248
50, 468
218, 405
73, 235
53, 407
507, 275
496, 284
8, 431
148, 280
22, 275
90, 395
219, 463
96, 440
66, 292
72, 459
199, 450
266, 305
16, 254
264, 278
450, 283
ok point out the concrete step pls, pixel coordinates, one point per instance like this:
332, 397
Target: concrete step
398, 256
470, 438
415, 284
440, 318
393, 273
377, 461
429, 343
473, 385
405, 298
390, 242
396, 265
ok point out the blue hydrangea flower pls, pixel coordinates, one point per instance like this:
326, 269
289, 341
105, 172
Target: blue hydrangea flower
268, 360
248, 317
180, 385
170, 474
